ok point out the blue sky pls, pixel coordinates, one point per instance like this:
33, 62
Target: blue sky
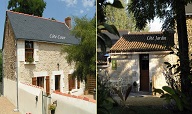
58, 9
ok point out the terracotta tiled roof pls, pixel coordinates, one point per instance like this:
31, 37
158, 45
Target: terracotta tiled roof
144, 42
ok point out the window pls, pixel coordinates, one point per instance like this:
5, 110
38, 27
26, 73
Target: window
29, 50
38, 81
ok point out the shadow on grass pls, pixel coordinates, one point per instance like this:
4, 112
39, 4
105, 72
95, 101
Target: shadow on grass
140, 110
143, 110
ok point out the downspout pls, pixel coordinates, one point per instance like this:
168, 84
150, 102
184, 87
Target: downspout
17, 84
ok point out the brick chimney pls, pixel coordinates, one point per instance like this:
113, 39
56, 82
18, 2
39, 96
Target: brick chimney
68, 22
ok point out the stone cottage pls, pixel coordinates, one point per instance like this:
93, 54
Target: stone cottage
140, 57
32, 53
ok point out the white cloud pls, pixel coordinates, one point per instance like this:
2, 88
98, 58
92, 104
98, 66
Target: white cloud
88, 3
70, 2
81, 11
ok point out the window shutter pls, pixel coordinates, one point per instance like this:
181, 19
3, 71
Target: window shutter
47, 85
34, 81
36, 48
71, 82
21, 50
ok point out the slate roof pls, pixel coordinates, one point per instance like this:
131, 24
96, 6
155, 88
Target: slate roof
29, 27
115, 38
144, 42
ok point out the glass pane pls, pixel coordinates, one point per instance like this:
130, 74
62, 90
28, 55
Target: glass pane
28, 44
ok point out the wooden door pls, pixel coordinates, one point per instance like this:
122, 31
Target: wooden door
144, 72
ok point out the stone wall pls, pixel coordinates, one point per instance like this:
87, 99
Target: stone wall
189, 33
9, 53
128, 68
48, 60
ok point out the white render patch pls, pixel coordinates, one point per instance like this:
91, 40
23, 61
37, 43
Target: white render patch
40, 74
55, 36
21, 50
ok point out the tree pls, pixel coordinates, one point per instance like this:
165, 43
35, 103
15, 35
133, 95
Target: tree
120, 17
102, 39
32, 7
83, 54
172, 12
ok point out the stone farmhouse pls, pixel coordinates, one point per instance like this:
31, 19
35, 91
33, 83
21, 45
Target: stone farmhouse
139, 57
32, 54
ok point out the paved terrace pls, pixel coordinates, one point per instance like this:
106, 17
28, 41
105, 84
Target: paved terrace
6, 107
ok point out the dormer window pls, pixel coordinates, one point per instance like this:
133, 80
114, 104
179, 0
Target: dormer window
29, 50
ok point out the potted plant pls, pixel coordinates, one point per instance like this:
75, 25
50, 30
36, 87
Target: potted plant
30, 59
135, 86
52, 107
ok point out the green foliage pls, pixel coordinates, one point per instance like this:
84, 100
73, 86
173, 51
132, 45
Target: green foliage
32, 7
52, 107
146, 11
120, 18
30, 59
179, 98
102, 39
121, 96
104, 101
173, 91
83, 54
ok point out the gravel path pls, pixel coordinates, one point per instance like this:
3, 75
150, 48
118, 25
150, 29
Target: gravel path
6, 107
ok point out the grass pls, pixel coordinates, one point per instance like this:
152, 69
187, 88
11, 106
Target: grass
143, 105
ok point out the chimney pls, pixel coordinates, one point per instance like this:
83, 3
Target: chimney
68, 22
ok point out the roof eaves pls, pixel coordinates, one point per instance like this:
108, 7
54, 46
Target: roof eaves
46, 41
